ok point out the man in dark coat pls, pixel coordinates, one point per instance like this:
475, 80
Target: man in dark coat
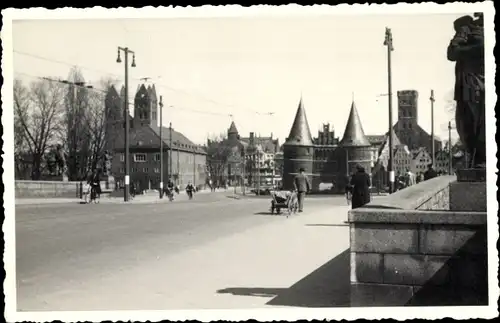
302, 186
430, 173
360, 183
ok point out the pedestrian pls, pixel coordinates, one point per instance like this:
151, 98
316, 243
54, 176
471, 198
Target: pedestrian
348, 189
360, 183
430, 173
302, 187
189, 190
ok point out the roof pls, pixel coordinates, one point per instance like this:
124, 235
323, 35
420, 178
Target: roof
268, 144
148, 137
300, 134
232, 129
354, 136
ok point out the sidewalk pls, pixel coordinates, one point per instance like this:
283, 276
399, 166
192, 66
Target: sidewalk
299, 261
139, 199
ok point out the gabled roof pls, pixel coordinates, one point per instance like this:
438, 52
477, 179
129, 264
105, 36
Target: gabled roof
149, 137
268, 144
300, 134
354, 136
142, 93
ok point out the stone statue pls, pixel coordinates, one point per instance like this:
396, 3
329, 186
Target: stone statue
467, 50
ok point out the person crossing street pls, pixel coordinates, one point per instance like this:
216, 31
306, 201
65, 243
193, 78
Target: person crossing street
302, 187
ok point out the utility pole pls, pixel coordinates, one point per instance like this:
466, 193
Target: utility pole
126, 51
161, 147
433, 152
170, 153
450, 155
178, 163
390, 49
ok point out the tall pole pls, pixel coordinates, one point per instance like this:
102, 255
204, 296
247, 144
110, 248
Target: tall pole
433, 152
178, 164
390, 48
170, 153
161, 147
126, 51
450, 156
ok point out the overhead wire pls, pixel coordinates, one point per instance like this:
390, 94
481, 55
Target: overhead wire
130, 104
107, 73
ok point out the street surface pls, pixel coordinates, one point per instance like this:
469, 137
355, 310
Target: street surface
211, 252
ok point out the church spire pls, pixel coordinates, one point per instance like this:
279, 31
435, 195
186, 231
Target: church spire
300, 134
232, 129
354, 136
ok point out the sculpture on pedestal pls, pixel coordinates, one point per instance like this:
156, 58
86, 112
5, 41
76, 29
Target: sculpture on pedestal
467, 50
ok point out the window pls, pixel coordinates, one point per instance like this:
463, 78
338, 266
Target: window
122, 157
133, 170
145, 170
154, 115
122, 170
157, 157
139, 158
156, 170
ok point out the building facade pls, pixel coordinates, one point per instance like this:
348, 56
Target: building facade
326, 159
183, 161
421, 159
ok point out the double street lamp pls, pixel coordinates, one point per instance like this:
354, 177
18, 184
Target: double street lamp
126, 52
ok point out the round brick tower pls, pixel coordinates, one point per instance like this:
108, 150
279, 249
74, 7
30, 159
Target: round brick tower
354, 145
298, 149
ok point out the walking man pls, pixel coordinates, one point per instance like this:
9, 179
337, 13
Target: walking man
430, 173
360, 183
302, 186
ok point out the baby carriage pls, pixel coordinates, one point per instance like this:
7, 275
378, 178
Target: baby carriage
284, 200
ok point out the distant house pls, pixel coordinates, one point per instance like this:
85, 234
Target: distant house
421, 160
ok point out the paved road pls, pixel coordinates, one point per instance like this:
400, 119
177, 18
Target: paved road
64, 248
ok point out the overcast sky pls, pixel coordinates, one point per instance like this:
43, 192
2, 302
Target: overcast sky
250, 66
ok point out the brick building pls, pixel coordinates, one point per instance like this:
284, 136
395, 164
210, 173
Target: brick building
183, 161
326, 159
407, 128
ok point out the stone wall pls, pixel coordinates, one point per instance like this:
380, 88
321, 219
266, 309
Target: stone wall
30, 189
409, 246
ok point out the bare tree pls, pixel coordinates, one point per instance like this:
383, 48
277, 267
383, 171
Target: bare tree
217, 155
95, 123
37, 113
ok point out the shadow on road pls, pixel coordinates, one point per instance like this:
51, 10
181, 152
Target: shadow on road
327, 286
328, 225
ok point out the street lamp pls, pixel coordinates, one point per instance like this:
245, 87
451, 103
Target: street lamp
126, 51
390, 49
433, 151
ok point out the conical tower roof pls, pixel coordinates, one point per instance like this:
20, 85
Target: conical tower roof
232, 129
300, 134
354, 136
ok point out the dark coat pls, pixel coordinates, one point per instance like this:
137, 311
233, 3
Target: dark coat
301, 183
430, 173
360, 183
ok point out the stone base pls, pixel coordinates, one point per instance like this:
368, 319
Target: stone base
468, 196
471, 175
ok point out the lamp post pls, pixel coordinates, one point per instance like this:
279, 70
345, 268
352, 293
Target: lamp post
390, 49
170, 153
450, 155
161, 147
433, 152
126, 51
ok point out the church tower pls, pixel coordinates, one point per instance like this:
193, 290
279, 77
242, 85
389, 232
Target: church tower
298, 149
145, 107
354, 145
113, 106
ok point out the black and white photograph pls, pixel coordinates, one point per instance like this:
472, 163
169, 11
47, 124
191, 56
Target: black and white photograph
264, 162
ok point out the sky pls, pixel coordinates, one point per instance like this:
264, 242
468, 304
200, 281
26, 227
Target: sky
249, 67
